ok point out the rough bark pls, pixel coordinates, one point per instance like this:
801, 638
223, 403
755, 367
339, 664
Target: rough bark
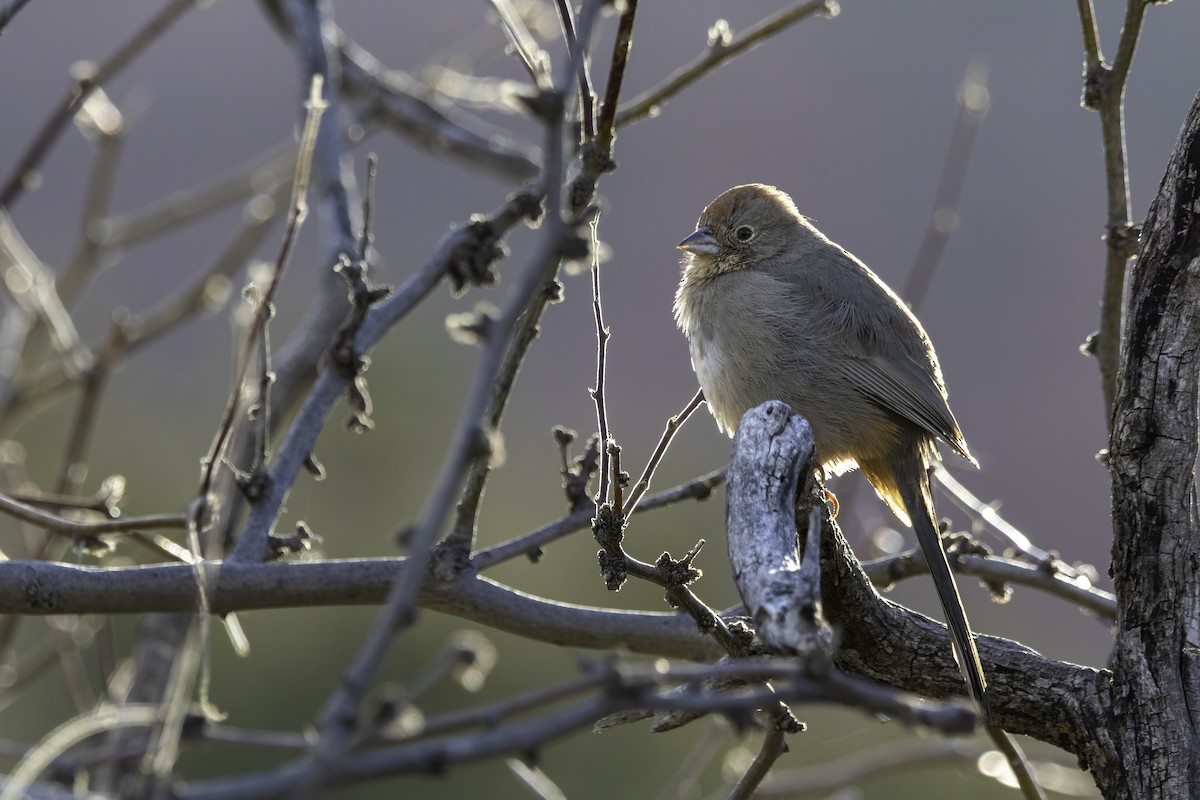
1149, 746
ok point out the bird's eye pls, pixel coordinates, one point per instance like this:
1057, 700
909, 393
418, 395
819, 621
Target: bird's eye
744, 233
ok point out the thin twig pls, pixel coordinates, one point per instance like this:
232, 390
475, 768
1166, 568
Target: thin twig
1017, 762
1091, 35
458, 243
587, 98
618, 487
1104, 92
76, 729
606, 126
296, 214
531, 56
405, 105
886, 759
211, 289
31, 286
973, 105
274, 168
987, 512
698, 488
601, 353
74, 467
105, 125
534, 779
367, 239
890, 569
260, 409
9, 11
75, 527
511, 706
82, 86
719, 51
773, 746
673, 425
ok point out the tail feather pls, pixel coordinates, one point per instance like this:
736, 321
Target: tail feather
911, 484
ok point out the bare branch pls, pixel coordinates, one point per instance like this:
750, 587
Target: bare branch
298, 210
1075, 589
973, 103
77, 527
9, 11
720, 50
1017, 763
602, 335
273, 169
673, 426
698, 488
83, 85
1104, 92
769, 752
403, 103
587, 98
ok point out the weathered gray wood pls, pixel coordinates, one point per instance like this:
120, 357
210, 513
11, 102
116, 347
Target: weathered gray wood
771, 450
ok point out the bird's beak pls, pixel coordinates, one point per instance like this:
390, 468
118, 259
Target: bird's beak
702, 242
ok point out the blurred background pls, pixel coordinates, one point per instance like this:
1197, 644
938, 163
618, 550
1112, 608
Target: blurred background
852, 116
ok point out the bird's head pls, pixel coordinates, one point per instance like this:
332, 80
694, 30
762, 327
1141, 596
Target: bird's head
745, 226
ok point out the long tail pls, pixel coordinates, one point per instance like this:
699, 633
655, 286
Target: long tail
912, 484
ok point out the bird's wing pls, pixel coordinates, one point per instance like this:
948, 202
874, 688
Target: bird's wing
903, 386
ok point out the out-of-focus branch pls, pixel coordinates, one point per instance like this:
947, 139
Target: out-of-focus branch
77, 527
886, 571
621, 687
722, 47
40, 587
31, 286
102, 122
341, 711
587, 98
772, 748
888, 759
402, 103
973, 104
465, 250
9, 11
298, 210
83, 84
270, 172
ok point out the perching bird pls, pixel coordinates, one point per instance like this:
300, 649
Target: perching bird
774, 310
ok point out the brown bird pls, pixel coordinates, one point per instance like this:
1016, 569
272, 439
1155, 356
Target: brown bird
774, 310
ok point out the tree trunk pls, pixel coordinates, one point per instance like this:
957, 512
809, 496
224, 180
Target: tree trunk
1149, 745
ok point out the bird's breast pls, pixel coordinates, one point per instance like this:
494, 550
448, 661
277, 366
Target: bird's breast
711, 368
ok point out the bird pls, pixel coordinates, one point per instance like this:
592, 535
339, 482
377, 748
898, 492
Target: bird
774, 310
